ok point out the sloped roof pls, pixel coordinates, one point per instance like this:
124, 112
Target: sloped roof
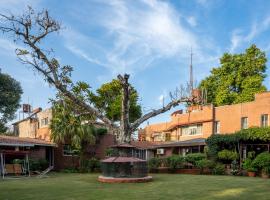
122, 159
191, 142
20, 141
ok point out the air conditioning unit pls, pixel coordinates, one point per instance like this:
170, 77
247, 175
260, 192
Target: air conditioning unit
160, 151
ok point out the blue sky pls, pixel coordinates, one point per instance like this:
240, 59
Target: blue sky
149, 39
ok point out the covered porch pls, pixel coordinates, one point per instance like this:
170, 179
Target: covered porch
16, 154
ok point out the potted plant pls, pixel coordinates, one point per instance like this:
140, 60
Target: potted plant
249, 166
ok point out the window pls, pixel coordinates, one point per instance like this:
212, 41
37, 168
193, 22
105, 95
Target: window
192, 130
264, 120
244, 123
217, 127
69, 151
44, 121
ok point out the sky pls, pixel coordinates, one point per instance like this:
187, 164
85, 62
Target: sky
148, 39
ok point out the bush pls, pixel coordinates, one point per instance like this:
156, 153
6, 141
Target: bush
194, 157
262, 161
175, 161
89, 165
227, 155
17, 161
38, 165
70, 170
249, 165
154, 163
204, 163
219, 169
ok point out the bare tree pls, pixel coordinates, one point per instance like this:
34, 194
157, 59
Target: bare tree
31, 29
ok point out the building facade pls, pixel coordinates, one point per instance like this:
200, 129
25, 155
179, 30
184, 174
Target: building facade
203, 121
37, 126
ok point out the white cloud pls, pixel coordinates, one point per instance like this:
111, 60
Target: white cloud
192, 21
238, 37
139, 33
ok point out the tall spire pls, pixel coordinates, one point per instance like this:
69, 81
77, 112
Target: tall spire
191, 73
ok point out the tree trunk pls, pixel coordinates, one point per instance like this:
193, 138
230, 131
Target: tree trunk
125, 133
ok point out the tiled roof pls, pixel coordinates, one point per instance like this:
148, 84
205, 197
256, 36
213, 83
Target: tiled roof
192, 142
122, 159
144, 144
20, 141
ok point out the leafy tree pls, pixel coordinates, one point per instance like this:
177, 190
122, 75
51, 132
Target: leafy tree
67, 126
238, 78
108, 99
10, 95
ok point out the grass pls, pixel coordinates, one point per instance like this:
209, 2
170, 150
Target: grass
165, 186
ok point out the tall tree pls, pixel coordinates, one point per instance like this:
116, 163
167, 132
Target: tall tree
31, 29
10, 95
238, 79
108, 100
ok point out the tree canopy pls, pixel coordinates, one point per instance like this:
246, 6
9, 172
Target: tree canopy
237, 79
108, 99
10, 95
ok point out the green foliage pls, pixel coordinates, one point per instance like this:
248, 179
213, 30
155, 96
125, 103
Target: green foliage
217, 143
234, 167
67, 124
194, 157
219, 169
175, 161
237, 79
154, 163
249, 165
17, 161
89, 165
38, 165
228, 155
70, 170
111, 152
204, 163
108, 99
262, 162
10, 96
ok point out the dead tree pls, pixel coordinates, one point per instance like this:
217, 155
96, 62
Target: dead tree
31, 29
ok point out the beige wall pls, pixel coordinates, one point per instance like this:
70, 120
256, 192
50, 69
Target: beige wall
33, 128
27, 128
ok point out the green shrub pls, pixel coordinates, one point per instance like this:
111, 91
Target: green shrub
194, 157
154, 163
89, 165
70, 170
249, 165
175, 161
262, 162
234, 168
38, 165
227, 155
204, 163
17, 161
219, 169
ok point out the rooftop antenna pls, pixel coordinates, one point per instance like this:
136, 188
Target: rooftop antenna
191, 73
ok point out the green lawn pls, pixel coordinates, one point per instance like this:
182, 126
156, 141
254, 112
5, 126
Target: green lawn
165, 186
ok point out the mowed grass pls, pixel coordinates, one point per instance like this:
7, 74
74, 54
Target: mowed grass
165, 186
